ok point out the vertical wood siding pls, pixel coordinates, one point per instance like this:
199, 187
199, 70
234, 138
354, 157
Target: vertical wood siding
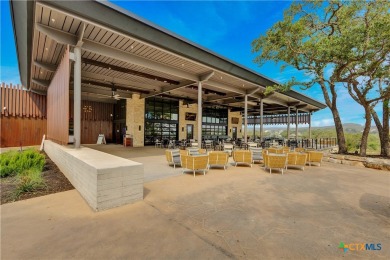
21, 125
96, 118
58, 103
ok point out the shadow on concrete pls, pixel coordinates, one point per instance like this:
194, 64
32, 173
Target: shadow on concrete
376, 204
146, 192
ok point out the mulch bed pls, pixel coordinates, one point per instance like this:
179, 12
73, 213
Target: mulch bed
54, 179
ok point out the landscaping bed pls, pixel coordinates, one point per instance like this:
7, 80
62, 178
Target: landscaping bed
29, 174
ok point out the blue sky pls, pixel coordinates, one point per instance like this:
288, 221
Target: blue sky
225, 27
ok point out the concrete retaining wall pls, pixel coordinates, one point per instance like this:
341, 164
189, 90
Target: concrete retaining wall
103, 180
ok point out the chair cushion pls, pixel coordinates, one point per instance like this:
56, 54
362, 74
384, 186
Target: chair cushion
175, 153
176, 159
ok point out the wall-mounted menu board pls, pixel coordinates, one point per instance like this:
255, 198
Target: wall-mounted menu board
235, 120
190, 116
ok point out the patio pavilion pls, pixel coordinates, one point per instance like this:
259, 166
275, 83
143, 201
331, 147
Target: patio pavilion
105, 70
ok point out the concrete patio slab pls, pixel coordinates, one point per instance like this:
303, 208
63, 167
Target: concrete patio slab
242, 212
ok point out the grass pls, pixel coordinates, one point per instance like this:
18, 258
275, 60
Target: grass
15, 162
27, 168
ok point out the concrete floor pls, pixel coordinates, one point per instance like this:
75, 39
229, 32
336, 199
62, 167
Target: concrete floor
242, 212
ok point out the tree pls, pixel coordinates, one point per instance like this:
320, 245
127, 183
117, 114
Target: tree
367, 65
315, 37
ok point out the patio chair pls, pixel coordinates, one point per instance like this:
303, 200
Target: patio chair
196, 151
208, 144
315, 157
272, 150
228, 148
242, 157
173, 157
195, 163
194, 145
256, 154
183, 152
157, 143
276, 162
264, 153
218, 159
296, 160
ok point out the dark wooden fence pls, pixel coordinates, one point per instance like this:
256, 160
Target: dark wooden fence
23, 116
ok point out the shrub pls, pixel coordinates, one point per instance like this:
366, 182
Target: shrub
14, 162
29, 180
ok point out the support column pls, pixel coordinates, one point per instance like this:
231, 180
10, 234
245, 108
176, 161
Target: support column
261, 119
296, 125
288, 123
309, 125
200, 114
254, 128
77, 96
246, 119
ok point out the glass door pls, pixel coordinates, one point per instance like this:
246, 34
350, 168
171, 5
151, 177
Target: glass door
190, 132
234, 136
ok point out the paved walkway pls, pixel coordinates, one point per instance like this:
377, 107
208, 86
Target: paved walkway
238, 213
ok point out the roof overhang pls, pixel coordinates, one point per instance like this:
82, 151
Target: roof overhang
228, 77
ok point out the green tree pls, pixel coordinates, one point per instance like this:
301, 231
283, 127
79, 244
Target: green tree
315, 37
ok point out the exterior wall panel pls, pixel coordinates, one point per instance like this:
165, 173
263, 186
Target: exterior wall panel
58, 103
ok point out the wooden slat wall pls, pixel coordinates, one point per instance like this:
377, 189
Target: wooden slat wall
58, 103
96, 118
15, 101
22, 123
21, 131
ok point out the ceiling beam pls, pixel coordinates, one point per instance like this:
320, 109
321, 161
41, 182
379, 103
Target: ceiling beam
117, 81
46, 66
128, 71
67, 38
43, 83
206, 76
106, 92
112, 86
165, 89
218, 97
253, 91
80, 35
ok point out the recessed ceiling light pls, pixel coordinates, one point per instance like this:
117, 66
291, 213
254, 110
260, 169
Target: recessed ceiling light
46, 49
221, 77
165, 81
109, 68
41, 72
182, 65
132, 47
53, 20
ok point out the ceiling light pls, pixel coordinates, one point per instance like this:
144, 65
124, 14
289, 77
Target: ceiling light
46, 49
165, 81
182, 65
41, 72
109, 68
131, 47
221, 77
53, 20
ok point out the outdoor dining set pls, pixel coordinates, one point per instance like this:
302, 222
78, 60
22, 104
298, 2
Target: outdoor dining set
195, 159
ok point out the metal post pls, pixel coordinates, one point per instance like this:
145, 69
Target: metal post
261, 120
254, 128
77, 96
288, 123
309, 125
296, 125
246, 119
200, 114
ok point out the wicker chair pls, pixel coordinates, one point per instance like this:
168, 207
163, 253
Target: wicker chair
173, 157
218, 159
315, 157
276, 162
299, 150
183, 152
285, 149
272, 150
242, 156
195, 163
196, 151
257, 154
296, 160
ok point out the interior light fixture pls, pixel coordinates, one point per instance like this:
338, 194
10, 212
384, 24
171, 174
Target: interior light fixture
132, 47
46, 49
53, 20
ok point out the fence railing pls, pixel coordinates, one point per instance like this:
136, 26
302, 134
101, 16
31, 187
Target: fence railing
318, 144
